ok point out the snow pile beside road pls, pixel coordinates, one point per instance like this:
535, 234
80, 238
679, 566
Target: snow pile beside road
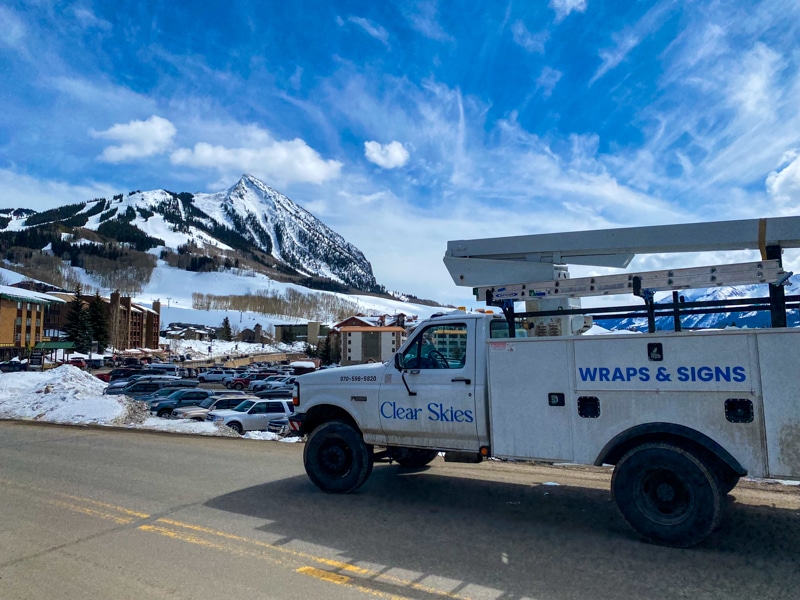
62, 395
70, 396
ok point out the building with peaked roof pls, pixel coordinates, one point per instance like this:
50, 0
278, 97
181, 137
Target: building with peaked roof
22, 321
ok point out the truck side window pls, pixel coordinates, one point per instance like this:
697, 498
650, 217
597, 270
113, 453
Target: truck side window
438, 347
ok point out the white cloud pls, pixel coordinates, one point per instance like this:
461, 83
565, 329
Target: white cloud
138, 139
20, 190
563, 8
375, 31
386, 156
783, 184
277, 162
547, 80
529, 41
425, 22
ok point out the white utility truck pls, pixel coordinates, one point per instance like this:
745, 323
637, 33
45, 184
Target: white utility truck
682, 415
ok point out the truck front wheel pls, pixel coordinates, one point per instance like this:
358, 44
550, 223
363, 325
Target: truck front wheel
667, 494
336, 458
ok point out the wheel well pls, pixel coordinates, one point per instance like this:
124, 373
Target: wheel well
714, 455
324, 413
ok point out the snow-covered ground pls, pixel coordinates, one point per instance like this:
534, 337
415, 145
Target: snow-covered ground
70, 396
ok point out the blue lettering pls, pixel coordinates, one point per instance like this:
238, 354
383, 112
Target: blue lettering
618, 376
383, 410
722, 373
683, 374
587, 374
438, 413
630, 373
604, 373
705, 374
390, 410
644, 374
739, 374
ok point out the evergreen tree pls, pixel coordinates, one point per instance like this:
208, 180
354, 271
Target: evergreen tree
324, 351
77, 327
287, 335
226, 333
98, 322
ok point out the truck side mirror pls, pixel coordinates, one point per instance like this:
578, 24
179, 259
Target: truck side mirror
399, 362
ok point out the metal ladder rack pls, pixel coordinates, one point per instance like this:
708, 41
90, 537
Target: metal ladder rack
763, 271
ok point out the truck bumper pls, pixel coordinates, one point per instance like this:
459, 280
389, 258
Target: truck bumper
296, 423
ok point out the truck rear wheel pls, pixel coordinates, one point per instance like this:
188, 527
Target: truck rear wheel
336, 458
667, 494
412, 457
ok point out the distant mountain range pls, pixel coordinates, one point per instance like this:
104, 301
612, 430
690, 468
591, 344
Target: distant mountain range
749, 319
249, 223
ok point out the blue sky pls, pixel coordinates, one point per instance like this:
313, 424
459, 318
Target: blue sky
403, 125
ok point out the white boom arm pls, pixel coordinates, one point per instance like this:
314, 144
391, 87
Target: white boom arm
528, 258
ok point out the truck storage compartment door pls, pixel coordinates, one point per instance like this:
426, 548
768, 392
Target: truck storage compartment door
435, 406
778, 352
529, 399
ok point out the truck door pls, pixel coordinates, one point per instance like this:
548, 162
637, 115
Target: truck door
435, 406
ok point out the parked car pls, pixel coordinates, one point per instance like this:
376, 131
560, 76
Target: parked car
285, 391
224, 401
122, 372
280, 426
251, 415
78, 362
163, 407
177, 381
139, 389
215, 375
275, 381
244, 381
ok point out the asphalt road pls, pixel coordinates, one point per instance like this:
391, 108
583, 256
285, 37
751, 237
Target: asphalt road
99, 513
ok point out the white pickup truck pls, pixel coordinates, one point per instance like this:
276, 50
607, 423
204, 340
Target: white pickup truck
681, 414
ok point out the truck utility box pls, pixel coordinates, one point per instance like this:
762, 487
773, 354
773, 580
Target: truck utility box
681, 415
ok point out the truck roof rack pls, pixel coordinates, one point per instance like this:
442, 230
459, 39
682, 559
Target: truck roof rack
526, 258
505, 270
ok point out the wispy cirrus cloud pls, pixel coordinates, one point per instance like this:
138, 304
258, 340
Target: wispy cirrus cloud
563, 8
371, 29
531, 42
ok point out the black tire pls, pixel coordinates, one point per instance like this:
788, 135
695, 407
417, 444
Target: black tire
236, 426
727, 481
164, 412
238, 386
336, 458
412, 457
667, 494
201, 379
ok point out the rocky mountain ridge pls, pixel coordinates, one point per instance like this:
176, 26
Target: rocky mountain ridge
248, 222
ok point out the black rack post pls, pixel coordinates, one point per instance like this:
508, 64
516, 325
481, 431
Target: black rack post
676, 311
777, 296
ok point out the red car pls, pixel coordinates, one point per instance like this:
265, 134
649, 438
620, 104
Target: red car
78, 362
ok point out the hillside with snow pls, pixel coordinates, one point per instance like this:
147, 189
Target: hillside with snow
249, 220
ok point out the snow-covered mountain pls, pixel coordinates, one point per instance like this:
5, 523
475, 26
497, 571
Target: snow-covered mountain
250, 217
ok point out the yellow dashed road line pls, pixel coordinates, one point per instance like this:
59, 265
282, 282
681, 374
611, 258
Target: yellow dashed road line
230, 543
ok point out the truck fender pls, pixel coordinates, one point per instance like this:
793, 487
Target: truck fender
322, 413
679, 434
